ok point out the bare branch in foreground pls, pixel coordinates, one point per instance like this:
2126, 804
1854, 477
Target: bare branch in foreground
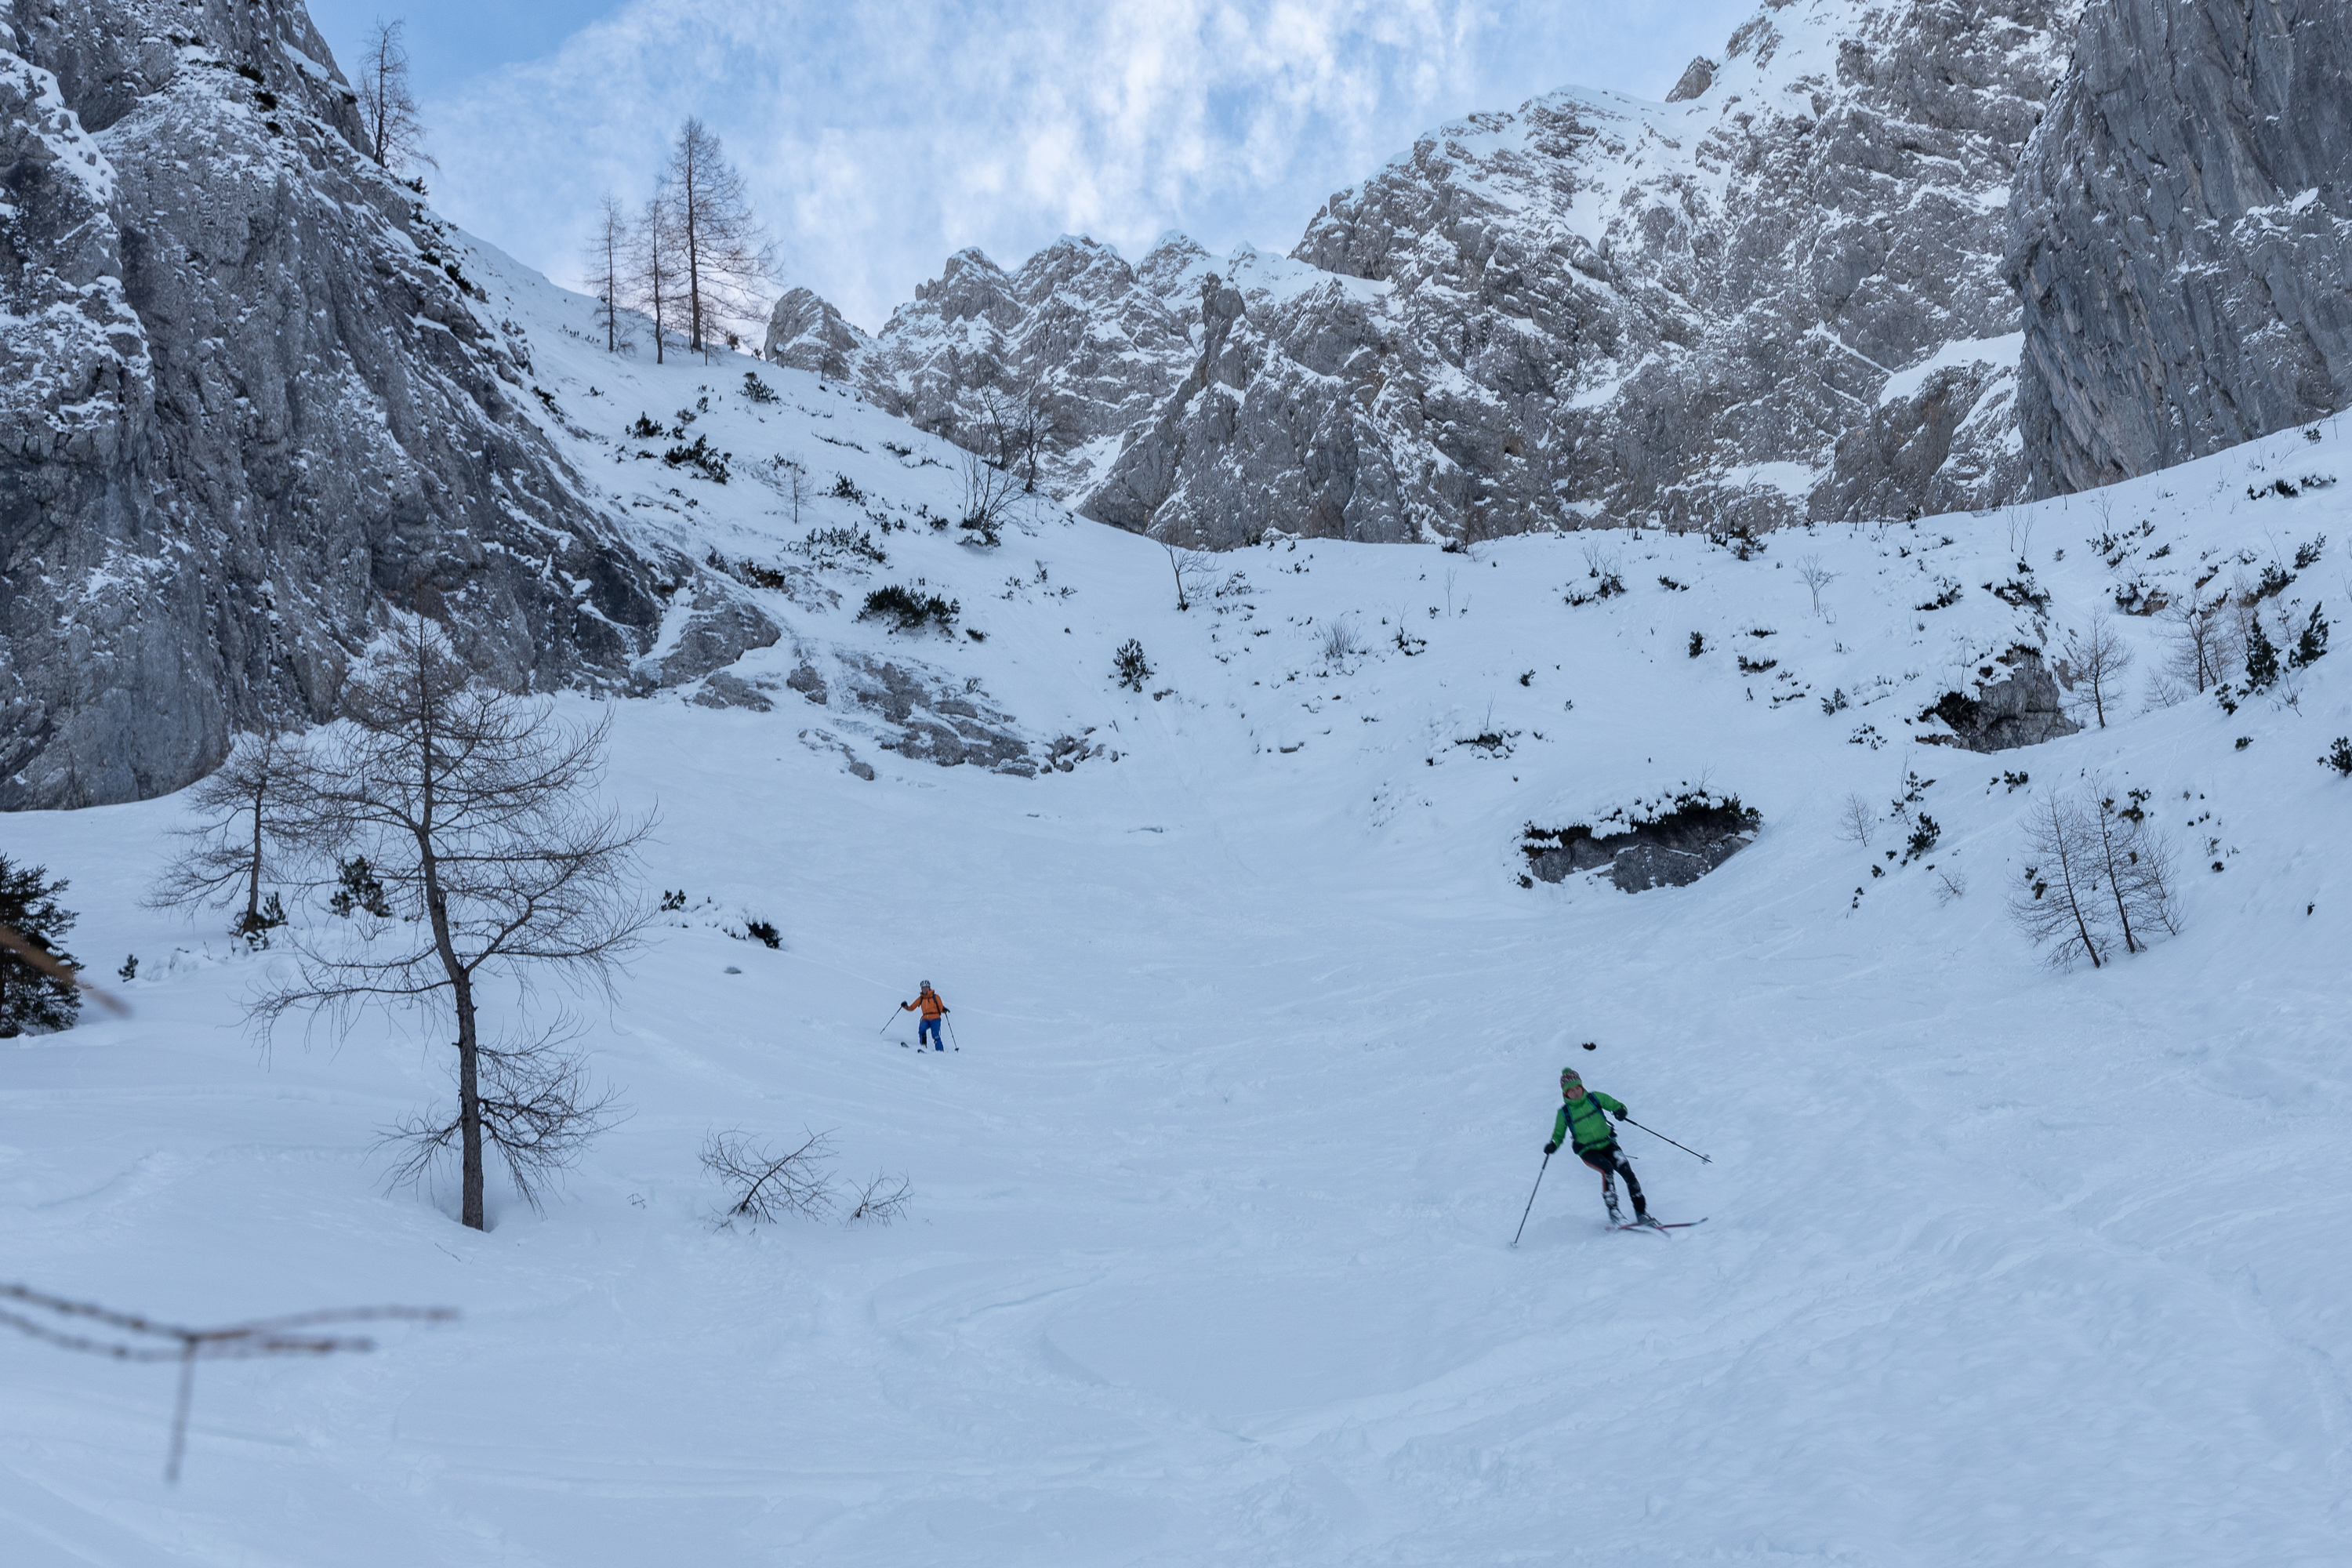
128, 1336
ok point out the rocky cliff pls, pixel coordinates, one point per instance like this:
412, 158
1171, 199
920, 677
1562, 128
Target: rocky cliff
2182, 236
1778, 295
250, 397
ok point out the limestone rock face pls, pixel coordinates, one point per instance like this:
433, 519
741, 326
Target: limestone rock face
1779, 294
2023, 708
249, 400
2182, 236
806, 333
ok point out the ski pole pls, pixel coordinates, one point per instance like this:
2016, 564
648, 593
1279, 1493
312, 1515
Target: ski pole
1662, 1138
1531, 1200
951, 1036
891, 1020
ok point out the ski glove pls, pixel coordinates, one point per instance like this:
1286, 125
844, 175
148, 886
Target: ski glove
1622, 1114
1551, 1148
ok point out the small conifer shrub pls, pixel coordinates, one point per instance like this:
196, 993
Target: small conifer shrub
1130, 666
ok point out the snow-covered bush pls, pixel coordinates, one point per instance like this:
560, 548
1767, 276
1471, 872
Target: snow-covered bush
1129, 665
910, 610
701, 457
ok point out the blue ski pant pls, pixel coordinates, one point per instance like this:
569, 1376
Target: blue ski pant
930, 1030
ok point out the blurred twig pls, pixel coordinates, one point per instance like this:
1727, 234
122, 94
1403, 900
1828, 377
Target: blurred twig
127, 1336
44, 962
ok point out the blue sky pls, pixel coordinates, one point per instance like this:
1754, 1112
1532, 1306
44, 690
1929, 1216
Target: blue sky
879, 138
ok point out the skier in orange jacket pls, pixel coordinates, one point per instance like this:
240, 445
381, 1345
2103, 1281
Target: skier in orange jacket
929, 1004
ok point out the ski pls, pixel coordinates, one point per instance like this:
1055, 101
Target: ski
1667, 1225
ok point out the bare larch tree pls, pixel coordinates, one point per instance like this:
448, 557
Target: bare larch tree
1815, 577
726, 257
2095, 661
2202, 645
607, 254
2057, 904
252, 810
653, 264
391, 129
472, 807
2138, 860
2102, 871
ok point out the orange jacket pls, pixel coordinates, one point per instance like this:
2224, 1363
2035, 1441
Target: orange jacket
928, 1002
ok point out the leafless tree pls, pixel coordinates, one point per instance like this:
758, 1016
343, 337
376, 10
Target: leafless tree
1856, 820
2095, 661
655, 272
2137, 859
2057, 906
607, 253
470, 806
795, 483
2019, 519
252, 809
95, 1330
1816, 577
727, 255
1010, 427
2202, 643
988, 492
765, 1185
390, 129
1190, 568
882, 1200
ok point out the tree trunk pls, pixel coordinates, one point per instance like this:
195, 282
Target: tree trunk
2115, 881
469, 1109
252, 884
2075, 907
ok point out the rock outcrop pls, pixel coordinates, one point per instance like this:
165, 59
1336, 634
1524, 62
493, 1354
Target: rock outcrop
1779, 295
250, 399
2181, 236
1671, 845
2024, 708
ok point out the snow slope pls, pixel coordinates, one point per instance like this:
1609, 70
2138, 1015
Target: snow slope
1259, 1039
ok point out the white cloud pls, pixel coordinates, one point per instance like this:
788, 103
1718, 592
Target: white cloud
878, 138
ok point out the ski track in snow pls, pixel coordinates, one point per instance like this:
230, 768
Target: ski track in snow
1207, 1256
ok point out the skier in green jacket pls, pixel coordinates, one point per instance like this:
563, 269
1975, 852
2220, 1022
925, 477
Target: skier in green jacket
1581, 1125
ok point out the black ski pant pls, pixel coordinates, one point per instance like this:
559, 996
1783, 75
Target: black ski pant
1611, 1162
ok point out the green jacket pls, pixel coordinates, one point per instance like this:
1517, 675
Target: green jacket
1584, 1117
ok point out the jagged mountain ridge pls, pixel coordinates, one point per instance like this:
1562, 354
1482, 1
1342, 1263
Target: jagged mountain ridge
251, 400
1779, 296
